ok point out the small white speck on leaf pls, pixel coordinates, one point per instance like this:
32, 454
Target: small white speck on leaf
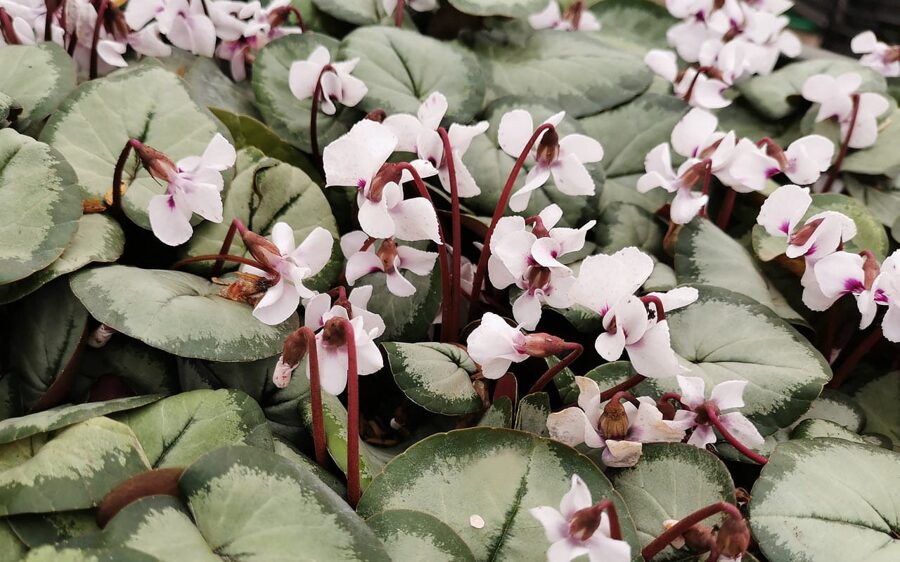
476, 521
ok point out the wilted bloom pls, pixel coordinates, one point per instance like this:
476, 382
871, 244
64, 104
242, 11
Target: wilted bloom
389, 258
331, 344
576, 18
836, 98
843, 273
803, 161
194, 185
418, 134
292, 264
727, 395
337, 82
880, 56
563, 158
619, 428
578, 529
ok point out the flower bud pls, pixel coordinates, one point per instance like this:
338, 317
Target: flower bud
614, 420
548, 147
388, 173
699, 538
155, 162
871, 269
543, 345
387, 253
295, 348
333, 333
281, 376
733, 538
585, 522
261, 248
378, 115
803, 235
100, 336
538, 277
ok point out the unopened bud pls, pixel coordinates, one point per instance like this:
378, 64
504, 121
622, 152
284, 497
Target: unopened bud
100, 336
538, 228
803, 235
387, 253
548, 147
261, 248
585, 522
295, 348
614, 420
871, 269
544, 345
333, 333
378, 115
699, 538
155, 162
733, 538
281, 376
388, 173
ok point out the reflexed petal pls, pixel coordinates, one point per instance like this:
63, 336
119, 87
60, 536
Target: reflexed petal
663, 63
555, 525
499, 274
367, 355
692, 391
461, 135
586, 149
315, 308
536, 177
571, 176
280, 306
589, 397
742, 429
653, 356
361, 263
170, 218
352, 242
283, 238
783, 209
649, 426
728, 394
415, 219
865, 42
375, 219
550, 215
610, 346
601, 548
406, 128
419, 262
353, 90
890, 325
707, 93
603, 279
398, 285
527, 310
219, 154
753, 168
205, 202
686, 205
692, 131
840, 273
702, 436
358, 155
516, 128
432, 111
678, 297
315, 250
578, 497
807, 158
564, 551
110, 52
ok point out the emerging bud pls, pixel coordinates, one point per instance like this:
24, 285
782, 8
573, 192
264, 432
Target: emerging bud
281, 376
333, 333
774, 150
378, 115
548, 147
387, 253
261, 248
803, 235
614, 420
295, 348
585, 522
388, 173
544, 345
733, 538
100, 336
871, 269
155, 162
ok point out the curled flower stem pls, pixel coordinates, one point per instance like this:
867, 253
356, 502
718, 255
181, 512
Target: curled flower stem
236, 226
224, 257
353, 486
622, 386
576, 350
313, 115
662, 541
657, 303
845, 147
300, 23
442, 249
315, 396
6, 26
850, 363
119, 171
743, 449
450, 324
398, 13
727, 207
498, 213
101, 13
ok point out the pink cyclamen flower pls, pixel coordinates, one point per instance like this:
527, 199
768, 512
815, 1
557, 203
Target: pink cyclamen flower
843, 273
495, 345
418, 134
883, 58
622, 441
552, 17
186, 25
566, 531
338, 85
194, 186
293, 265
389, 258
802, 162
727, 395
888, 284
835, 97
332, 351
563, 158
358, 159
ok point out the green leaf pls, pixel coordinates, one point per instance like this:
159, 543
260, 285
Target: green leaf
882, 157
406, 318
878, 398
99, 238
870, 233
51, 329
561, 69
357, 12
38, 77
880, 195
143, 369
838, 408
74, 469
564, 382
61, 553
533, 412
250, 503
62, 416
499, 414
798, 514
497, 474
92, 126
630, 131
623, 189
819, 429
37, 529
11, 546
704, 254
639, 22
671, 481
178, 430
436, 376
208, 85
415, 535
290, 453
402, 68
777, 95
622, 225
177, 312
40, 205
288, 116
504, 8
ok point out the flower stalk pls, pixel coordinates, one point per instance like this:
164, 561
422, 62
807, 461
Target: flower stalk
398, 13
576, 349
845, 146
450, 324
662, 541
713, 415
481, 269
314, 113
120, 170
353, 484
95, 38
6, 27
315, 396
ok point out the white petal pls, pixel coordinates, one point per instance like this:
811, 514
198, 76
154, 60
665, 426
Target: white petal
315, 250
516, 128
663, 63
419, 262
571, 176
432, 111
728, 394
840, 273
406, 128
170, 219
742, 429
415, 219
527, 310
398, 285
555, 525
277, 305
692, 391
783, 209
578, 497
653, 356
690, 133
865, 42
586, 149
361, 264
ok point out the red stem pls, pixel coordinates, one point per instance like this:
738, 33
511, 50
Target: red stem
313, 115
727, 208
398, 13
48, 19
119, 170
456, 233
713, 416
850, 363
353, 486
236, 225
6, 26
615, 530
577, 350
661, 542
706, 179
223, 257
657, 303
624, 385
101, 13
845, 147
300, 23
498, 213
690, 91
315, 396
442, 249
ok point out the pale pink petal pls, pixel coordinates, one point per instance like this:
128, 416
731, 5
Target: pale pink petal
610, 346
315, 308
702, 436
361, 264
578, 497
277, 306
205, 202
516, 127
550, 215
432, 111
571, 176
865, 42
375, 219
419, 262
783, 209
353, 159
315, 250
406, 128
728, 394
586, 149
219, 154
332, 367
548, 18
742, 429
603, 279
555, 525
602, 548
652, 355
170, 218
536, 177
840, 273
692, 391
527, 310
686, 205
461, 136
398, 285
662, 63
415, 219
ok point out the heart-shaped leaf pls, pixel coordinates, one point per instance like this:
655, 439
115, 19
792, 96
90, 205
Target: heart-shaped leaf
55, 553
40, 205
798, 514
436, 376
562, 69
837, 407
11, 546
414, 535
92, 126
819, 429
640, 23
505, 8
38, 529
177, 312
496, 474
357, 12
287, 451
877, 396
402, 68
499, 414
38, 77
288, 116
671, 481
208, 85
72, 469
882, 157
406, 318
880, 195
142, 369
532, 414
622, 225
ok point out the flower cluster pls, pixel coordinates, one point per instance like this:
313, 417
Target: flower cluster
723, 41
574, 18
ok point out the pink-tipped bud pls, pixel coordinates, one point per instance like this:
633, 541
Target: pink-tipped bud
733, 538
585, 522
388, 173
548, 147
281, 376
803, 235
295, 348
100, 336
155, 162
261, 248
544, 345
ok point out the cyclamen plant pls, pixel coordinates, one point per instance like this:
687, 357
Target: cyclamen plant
446, 280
